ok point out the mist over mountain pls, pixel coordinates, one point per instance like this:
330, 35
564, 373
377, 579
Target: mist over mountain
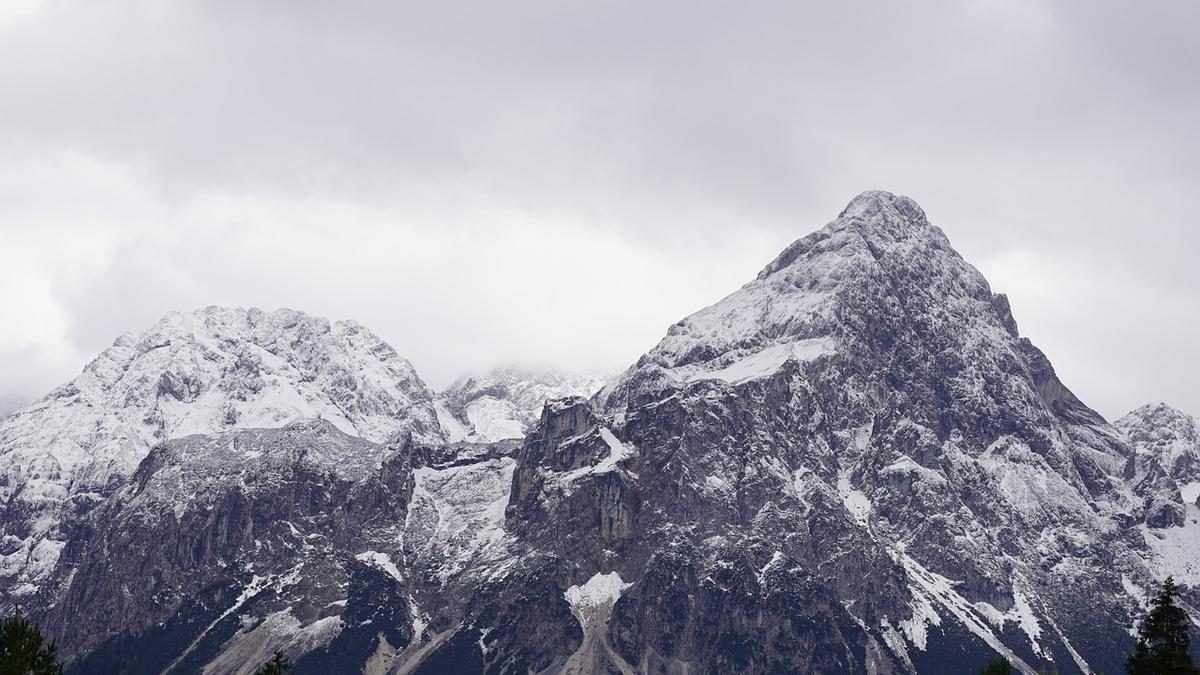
854, 463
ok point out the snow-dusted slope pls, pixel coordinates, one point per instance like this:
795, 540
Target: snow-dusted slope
191, 373
506, 402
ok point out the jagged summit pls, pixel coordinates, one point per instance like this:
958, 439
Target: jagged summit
871, 363
191, 373
878, 217
877, 267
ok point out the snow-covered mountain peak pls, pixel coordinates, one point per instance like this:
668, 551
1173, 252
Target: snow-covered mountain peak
879, 262
871, 363
195, 372
214, 368
877, 218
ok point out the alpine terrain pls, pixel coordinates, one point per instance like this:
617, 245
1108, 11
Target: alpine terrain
852, 464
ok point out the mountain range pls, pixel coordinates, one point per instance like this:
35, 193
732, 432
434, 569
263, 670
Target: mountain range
854, 463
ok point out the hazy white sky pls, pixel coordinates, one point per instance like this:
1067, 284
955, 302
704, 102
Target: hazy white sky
557, 182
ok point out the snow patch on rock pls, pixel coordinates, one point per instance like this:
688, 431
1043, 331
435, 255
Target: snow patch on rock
1190, 493
929, 588
382, 561
855, 500
601, 589
617, 452
1021, 614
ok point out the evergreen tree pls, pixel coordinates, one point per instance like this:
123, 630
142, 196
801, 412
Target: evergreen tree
1162, 646
23, 650
278, 665
997, 666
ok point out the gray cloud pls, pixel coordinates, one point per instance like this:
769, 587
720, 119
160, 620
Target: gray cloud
491, 182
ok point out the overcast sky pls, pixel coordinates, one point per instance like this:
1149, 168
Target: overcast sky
557, 182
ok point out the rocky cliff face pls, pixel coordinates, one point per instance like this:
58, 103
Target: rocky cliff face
244, 529
222, 548
192, 373
853, 464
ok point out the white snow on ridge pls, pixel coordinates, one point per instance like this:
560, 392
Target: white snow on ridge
420, 621
1023, 614
762, 363
1133, 590
617, 453
256, 642
916, 627
789, 312
894, 639
718, 484
1031, 486
930, 588
1170, 439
